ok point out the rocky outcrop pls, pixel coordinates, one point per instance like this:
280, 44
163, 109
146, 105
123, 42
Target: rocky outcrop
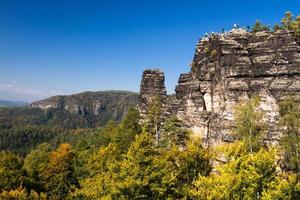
231, 67
152, 86
112, 105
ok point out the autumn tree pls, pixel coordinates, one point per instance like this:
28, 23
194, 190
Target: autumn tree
175, 170
10, 171
101, 167
59, 173
245, 176
296, 26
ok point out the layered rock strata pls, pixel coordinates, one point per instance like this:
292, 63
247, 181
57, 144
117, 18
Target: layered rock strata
226, 69
152, 88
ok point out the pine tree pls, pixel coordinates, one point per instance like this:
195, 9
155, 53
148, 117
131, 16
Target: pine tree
34, 165
249, 124
173, 133
258, 26
277, 27
290, 123
154, 118
287, 20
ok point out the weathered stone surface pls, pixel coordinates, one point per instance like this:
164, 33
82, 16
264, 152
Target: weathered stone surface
228, 68
104, 105
152, 85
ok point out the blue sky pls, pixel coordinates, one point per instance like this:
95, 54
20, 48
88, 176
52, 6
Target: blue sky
54, 47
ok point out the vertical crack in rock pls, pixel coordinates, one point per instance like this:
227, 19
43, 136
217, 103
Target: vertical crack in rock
226, 69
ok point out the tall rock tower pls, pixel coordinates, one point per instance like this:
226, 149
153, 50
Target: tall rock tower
227, 69
152, 86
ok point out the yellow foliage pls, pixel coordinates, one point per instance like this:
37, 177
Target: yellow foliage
20, 194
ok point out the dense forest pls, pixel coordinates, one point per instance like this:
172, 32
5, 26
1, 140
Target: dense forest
23, 128
54, 154
128, 161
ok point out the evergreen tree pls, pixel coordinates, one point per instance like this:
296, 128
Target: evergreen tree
128, 129
277, 27
287, 20
258, 26
173, 133
35, 164
154, 118
134, 177
249, 124
290, 123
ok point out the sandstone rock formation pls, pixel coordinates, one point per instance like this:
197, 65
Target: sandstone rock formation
152, 86
112, 105
226, 69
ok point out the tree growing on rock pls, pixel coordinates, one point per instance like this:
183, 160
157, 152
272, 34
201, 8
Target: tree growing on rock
154, 118
287, 20
258, 26
249, 124
173, 133
290, 123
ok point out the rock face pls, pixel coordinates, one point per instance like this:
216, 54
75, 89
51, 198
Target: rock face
111, 105
152, 86
231, 67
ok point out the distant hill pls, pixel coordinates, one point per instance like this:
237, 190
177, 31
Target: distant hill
5, 103
23, 128
104, 105
87, 109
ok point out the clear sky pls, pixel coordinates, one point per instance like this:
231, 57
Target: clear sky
50, 47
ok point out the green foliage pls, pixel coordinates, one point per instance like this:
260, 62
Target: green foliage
24, 128
258, 26
35, 164
245, 176
206, 49
173, 133
213, 54
284, 186
296, 26
289, 23
154, 118
249, 124
20, 194
10, 171
277, 27
59, 177
290, 123
117, 161
128, 129
22, 139
287, 20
